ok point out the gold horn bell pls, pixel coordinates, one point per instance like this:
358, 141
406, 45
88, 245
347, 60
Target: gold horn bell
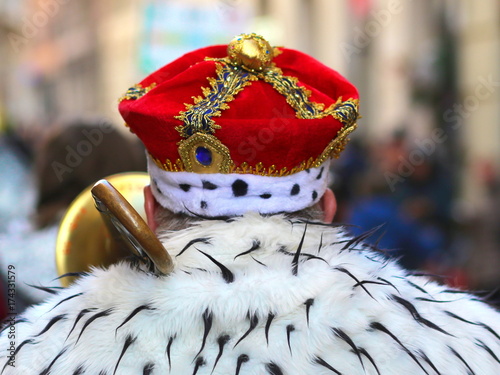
104, 225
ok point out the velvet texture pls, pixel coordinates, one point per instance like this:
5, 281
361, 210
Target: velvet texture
259, 125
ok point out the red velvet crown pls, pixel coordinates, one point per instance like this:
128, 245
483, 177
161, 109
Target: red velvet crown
242, 108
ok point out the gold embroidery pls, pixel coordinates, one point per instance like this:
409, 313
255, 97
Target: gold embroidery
198, 116
136, 92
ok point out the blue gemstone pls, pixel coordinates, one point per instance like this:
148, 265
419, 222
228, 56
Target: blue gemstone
204, 156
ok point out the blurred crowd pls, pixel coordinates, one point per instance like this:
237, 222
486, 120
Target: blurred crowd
406, 200
42, 171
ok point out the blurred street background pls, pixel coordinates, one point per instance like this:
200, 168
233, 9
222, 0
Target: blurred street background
424, 162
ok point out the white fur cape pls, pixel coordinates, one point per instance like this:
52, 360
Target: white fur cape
257, 295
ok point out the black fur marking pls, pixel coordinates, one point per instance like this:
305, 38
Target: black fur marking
7, 324
254, 320
456, 354
320, 361
185, 187
308, 304
379, 327
320, 243
342, 335
72, 274
320, 173
128, 341
52, 321
258, 261
295, 189
270, 318
273, 369
207, 185
79, 370
240, 188
255, 246
265, 196
488, 349
416, 315
80, 315
289, 329
102, 372
388, 283
432, 300
48, 289
203, 205
295, 261
207, 323
200, 362
222, 341
206, 241
418, 287
429, 362
66, 299
93, 318
167, 350
241, 359
359, 239
486, 327
132, 314
29, 341
314, 195
148, 369
47, 370
365, 353
226, 274
342, 269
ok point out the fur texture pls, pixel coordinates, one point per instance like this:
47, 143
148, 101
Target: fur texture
258, 296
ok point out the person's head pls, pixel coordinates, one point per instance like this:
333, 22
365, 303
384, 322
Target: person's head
76, 154
240, 128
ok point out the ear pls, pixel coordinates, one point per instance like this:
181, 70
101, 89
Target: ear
150, 206
329, 205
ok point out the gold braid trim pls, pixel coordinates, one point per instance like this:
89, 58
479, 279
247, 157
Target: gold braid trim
197, 118
136, 92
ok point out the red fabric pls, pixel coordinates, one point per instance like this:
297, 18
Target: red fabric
259, 126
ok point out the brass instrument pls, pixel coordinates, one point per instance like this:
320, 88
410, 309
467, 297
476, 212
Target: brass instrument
101, 227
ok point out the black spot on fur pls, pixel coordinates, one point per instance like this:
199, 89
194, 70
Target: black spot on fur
416, 315
308, 304
266, 196
320, 361
254, 320
314, 195
367, 355
128, 341
222, 341
167, 350
200, 362
134, 313
240, 188
25, 342
320, 173
207, 185
66, 299
255, 245
227, 275
52, 321
342, 335
295, 189
203, 205
295, 261
80, 315
185, 187
79, 370
155, 183
93, 318
47, 370
207, 324
206, 241
488, 349
241, 359
379, 327
289, 329
8, 324
347, 272
429, 362
270, 318
47, 289
456, 354
273, 369
148, 369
